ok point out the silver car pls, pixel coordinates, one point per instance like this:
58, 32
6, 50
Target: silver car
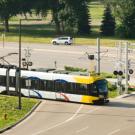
62, 40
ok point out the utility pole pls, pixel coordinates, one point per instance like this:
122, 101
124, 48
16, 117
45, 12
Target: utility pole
19, 73
126, 67
98, 56
20, 54
119, 77
7, 79
3, 39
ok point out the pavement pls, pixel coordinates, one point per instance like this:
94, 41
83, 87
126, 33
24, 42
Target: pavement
63, 118
74, 55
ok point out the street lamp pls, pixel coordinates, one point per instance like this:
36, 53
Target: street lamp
19, 70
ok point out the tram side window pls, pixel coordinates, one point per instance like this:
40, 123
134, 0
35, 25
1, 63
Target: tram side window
92, 90
2, 80
50, 85
76, 88
82, 89
23, 83
34, 84
12, 81
41, 85
60, 86
70, 88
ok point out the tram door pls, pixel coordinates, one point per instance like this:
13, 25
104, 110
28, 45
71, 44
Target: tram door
60, 87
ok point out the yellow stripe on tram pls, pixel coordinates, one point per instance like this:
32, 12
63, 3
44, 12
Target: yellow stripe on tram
89, 99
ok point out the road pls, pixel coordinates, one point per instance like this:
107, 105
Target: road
62, 118
45, 55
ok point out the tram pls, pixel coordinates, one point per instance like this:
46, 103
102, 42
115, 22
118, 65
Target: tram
56, 85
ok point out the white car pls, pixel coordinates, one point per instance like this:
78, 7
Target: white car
62, 40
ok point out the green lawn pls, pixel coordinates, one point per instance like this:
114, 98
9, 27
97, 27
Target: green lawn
8, 105
113, 94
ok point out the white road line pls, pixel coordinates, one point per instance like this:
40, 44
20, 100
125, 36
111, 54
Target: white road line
89, 112
59, 124
59, 51
114, 132
78, 131
66, 121
75, 113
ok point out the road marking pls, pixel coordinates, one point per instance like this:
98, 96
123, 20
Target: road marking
75, 113
114, 132
69, 119
78, 131
88, 112
59, 51
59, 124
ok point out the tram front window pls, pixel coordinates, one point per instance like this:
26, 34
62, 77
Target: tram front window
101, 86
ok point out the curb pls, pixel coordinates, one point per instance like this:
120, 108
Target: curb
123, 96
26, 116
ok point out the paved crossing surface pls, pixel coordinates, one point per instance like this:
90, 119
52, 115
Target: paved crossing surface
62, 118
45, 55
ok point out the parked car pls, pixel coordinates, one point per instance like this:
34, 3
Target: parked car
62, 40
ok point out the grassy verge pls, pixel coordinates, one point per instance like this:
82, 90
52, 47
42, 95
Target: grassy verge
112, 94
8, 106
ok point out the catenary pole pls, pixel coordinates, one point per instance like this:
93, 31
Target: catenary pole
98, 56
126, 67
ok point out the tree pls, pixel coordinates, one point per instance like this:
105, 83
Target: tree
124, 12
74, 16
67, 16
8, 8
108, 24
83, 17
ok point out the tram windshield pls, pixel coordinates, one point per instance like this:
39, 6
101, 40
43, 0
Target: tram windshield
101, 85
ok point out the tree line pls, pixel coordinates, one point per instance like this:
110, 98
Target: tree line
69, 16
73, 16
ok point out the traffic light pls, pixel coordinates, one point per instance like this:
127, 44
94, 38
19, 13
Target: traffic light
91, 57
118, 73
130, 71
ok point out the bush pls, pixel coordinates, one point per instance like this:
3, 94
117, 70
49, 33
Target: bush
108, 75
112, 87
68, 68
124, 32
121, 31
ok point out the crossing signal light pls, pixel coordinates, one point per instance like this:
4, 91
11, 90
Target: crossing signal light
91, 57
115, 72
118, 73
131, 71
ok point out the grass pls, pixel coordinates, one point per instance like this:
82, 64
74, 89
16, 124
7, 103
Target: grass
96, 12
44, 31
8, 105
113, 94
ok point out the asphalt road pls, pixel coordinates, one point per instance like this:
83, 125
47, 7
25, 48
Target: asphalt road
44, 56
62, 118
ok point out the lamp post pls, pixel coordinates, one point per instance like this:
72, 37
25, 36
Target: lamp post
19, 70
